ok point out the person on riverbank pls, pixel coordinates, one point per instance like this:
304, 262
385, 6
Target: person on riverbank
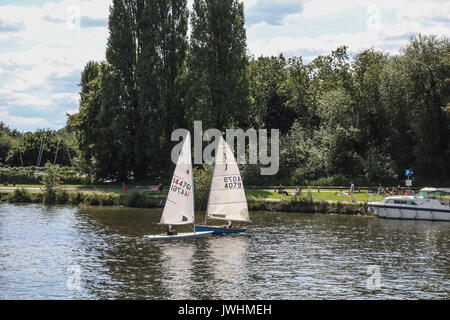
352, 189
298, 191
170, 231
282, 191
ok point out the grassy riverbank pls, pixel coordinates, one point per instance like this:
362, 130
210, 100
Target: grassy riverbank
329, 195
309, 202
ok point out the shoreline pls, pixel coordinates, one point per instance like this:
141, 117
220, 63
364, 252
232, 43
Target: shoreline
141, 199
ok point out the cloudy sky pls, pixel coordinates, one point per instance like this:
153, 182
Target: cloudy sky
45, 44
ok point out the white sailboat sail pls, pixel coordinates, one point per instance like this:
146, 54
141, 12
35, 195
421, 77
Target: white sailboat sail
226, 197
179, 208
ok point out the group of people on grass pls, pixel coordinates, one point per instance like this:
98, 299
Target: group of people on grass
281, 190
394, 191
298, 191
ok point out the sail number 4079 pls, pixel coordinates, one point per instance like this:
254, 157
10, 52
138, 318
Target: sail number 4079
232, 182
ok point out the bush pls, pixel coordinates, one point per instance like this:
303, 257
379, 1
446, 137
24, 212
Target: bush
337, 180
62, 197
110, 199
202, 182
49, 196
31, 175
4, 196
94, 199
37, 197
75, 198
19, 196
139, 199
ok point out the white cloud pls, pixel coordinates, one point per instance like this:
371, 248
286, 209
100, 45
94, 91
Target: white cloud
23, 123
386, 25
317, 8
40, 67
271, 12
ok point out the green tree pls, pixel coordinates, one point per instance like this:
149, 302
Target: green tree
218, 64
427, 95
161, 75
131, 103
51, 184
85, 122
267, 75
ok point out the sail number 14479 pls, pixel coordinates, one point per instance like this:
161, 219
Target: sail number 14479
181, 187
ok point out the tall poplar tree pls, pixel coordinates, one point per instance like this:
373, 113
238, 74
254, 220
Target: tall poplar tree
161, 74
217, 63
146, 54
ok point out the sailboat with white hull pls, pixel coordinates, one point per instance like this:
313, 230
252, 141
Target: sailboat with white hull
179, 207
227, 199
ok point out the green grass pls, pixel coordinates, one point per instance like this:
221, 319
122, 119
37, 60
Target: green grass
327, 196
252, 194
78, 186
81, 186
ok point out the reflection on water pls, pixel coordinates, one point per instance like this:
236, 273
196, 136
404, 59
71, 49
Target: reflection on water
282, 256
177, 268
228, 259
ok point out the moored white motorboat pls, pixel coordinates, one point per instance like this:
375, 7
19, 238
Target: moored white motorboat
429, 204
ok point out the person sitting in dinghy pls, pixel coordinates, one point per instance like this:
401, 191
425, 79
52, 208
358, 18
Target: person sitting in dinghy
170, 231
229, 224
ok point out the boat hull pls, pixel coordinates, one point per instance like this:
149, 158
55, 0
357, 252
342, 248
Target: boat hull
180, 236
410, 213
219, 229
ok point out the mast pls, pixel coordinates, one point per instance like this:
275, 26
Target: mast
56, 154
212, 177
193, 195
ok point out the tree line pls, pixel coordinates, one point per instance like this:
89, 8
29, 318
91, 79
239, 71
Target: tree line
25, 149
156, 79
365, 116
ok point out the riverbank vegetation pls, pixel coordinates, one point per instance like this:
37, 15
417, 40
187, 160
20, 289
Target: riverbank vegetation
143, 199
258, 200
363, 116
138, 199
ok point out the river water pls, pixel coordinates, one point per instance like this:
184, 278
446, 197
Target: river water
63, 252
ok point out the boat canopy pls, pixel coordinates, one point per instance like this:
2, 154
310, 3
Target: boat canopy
435, 193
440, 190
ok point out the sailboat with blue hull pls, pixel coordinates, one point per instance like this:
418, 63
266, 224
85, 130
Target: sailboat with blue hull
226, 199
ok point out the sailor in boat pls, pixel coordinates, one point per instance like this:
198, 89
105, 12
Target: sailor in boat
228, 225
170, 231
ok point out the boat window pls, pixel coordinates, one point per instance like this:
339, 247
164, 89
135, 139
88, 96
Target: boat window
422, 194
399, 201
